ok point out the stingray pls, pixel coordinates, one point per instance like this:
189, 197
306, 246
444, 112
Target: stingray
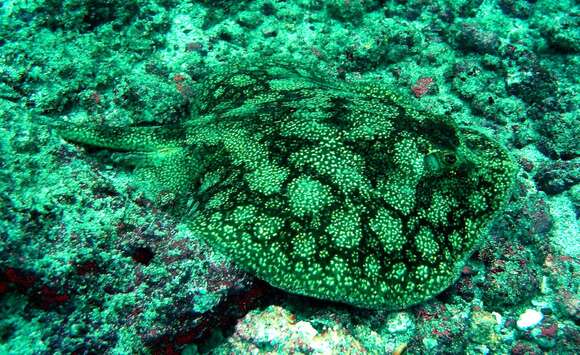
335, 190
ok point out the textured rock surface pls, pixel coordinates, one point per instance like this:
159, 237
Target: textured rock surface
277, 331
558, 177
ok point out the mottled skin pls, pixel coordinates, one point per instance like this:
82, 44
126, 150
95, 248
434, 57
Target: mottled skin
332, 190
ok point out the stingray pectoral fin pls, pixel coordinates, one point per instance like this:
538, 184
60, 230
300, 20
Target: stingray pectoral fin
172, 170
122, 138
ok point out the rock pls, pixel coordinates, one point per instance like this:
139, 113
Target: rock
471, 37
399, 322
555, 178
277, 328
529, 319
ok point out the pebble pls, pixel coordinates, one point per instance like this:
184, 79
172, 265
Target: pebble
399, 322
529, 319
429, 343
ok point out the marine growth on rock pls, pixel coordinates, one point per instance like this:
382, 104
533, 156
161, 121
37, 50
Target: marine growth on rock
334, 190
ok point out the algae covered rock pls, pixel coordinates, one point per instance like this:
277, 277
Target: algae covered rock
277, 330
339, 191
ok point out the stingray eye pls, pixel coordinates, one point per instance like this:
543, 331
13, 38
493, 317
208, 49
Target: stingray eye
450, 158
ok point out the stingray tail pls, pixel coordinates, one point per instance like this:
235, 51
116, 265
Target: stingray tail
160, 154
149, 138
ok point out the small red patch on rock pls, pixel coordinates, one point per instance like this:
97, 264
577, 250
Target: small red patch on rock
422, 86
550, 331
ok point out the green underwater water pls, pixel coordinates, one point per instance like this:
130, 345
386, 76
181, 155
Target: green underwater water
361, 155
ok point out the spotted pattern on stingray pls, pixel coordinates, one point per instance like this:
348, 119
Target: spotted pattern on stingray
334, 190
